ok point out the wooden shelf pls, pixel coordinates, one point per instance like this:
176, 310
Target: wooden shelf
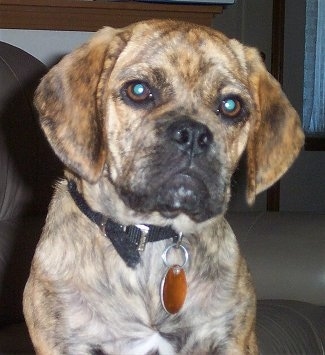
92, 15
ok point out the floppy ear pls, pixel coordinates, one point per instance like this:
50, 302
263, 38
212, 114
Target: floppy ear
69, 103
275, 137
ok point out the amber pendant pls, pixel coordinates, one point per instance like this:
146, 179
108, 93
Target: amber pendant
173, 289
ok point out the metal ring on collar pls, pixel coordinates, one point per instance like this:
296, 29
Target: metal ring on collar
178, 247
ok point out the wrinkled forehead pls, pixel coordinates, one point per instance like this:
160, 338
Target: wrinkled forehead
186, 51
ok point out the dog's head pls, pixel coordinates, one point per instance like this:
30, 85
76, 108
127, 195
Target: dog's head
162, 111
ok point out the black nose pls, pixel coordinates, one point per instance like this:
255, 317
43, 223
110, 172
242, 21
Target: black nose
190, 136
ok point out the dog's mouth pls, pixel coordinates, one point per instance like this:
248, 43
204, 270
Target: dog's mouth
182, 193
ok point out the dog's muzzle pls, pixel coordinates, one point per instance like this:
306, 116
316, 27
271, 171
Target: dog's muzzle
183, 174
185, 191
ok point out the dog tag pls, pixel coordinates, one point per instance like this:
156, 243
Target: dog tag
173, 289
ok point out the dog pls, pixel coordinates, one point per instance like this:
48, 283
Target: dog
136, 256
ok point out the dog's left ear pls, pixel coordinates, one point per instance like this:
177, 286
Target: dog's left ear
70, 103
275, 137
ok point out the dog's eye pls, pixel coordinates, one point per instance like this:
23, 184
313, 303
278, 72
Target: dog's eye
138, 92
230, 107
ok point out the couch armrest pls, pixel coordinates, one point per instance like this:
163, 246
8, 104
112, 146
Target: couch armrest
290, 327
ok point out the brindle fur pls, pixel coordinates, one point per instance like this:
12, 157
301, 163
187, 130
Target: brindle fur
81, 298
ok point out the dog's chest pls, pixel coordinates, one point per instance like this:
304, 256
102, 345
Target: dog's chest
132, 325
121, 311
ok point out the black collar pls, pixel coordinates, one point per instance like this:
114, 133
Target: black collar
127, 240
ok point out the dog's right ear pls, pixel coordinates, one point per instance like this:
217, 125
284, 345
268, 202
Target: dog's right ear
68, 100
276, 135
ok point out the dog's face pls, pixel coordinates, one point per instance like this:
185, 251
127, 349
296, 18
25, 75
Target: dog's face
163, 111
178, 122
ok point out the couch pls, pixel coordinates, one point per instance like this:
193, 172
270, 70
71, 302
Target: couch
285, 250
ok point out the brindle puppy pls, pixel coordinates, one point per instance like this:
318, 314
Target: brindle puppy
150, 121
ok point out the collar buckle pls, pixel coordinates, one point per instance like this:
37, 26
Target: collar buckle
144, 236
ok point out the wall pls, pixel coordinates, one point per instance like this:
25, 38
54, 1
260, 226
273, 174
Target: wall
294, 48
249, 21
47, 46
302, 188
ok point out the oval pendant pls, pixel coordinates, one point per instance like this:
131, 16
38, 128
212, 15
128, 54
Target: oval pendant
173, 289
